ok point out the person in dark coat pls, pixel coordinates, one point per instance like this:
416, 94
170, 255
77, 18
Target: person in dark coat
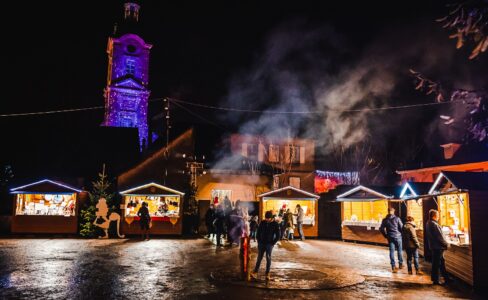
209, 218
268, 235
219, 223
253, 227
288, 219
437, 244
412, 245
391, 229
144, 220
235, 224
227, 213
300, 214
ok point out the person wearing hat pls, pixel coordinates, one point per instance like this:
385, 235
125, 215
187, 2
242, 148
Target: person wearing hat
268, 235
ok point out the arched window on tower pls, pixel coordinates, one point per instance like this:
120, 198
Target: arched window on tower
131, 11
130, 67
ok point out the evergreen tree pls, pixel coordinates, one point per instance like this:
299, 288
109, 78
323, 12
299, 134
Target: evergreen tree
100, 189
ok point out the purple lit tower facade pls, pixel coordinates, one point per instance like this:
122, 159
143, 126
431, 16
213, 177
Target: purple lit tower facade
126, 94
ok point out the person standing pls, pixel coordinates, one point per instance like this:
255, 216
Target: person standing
412, 245
253, 226
300, 214
219, 223
144, 220
391, 229
268, 235
288, 225
209, 218
437, 245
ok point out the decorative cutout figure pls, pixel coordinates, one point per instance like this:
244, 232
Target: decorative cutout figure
102, 212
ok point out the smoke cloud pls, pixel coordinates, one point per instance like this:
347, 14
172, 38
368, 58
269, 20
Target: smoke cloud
305, 68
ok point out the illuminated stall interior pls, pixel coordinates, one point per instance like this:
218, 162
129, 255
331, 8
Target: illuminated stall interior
411, 195
359, 212
460, 198
45, 206
454, 217
288, 198
363, 209
453, 206
165, 209
163, 203
45, 198
363, 206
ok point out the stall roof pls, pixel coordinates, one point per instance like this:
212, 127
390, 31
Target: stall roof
474, 181
151, 189
289, 192
362, 193
45, 186
411, 190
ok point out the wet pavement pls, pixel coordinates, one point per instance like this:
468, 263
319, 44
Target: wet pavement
182, 268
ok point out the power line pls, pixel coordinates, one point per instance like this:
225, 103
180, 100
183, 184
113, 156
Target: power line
232, 108
198, 116
306, 112
52, 111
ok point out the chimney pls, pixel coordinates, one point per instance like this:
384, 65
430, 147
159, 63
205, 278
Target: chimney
450, 149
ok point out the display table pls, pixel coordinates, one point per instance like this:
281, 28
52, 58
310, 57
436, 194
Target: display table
459, 262
362, 233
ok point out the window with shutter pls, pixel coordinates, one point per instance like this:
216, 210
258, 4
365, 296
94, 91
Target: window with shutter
293, 154
294, 182
261, 151
244, 149
252, 151
274, 153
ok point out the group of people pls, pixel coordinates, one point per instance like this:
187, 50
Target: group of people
287, 226
229, 221
233, 221
401, 235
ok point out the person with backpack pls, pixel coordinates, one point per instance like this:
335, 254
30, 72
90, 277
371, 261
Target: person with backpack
268, 235
412, 245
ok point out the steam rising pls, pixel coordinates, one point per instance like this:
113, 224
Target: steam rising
312, 69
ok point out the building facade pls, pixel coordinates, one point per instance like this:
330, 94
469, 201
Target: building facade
292, 159
126, 94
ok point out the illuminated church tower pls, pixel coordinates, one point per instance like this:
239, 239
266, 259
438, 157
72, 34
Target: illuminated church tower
126, 94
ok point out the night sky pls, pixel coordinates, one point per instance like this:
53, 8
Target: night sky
54, 54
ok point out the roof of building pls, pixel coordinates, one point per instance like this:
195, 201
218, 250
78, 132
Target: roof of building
467, 153
471, 181
367, 193
151, 188
289, 192
167, 164
410, 190
45, 186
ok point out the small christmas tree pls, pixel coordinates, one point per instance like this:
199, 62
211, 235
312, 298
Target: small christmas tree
100, 189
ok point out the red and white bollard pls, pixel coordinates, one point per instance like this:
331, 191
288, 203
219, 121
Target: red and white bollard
245, 258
